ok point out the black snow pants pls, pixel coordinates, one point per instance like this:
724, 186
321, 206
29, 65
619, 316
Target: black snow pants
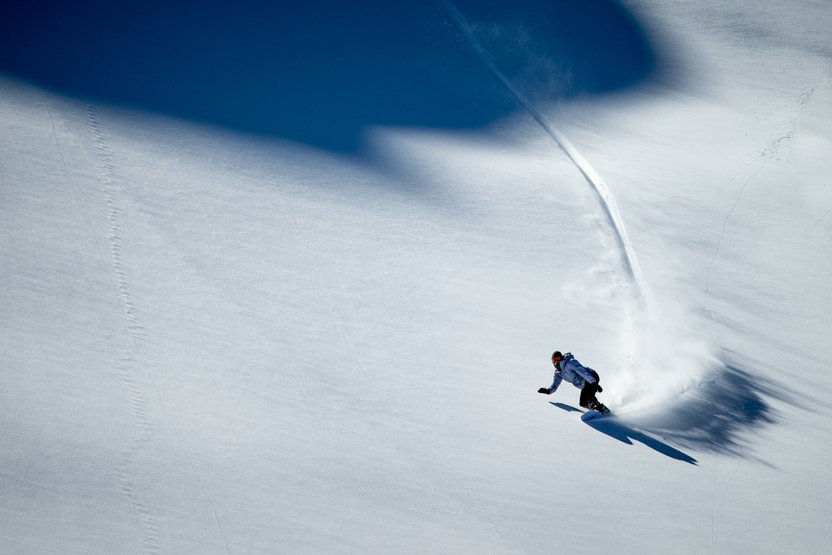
589, 390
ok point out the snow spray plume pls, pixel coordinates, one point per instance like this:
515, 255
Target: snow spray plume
667, 354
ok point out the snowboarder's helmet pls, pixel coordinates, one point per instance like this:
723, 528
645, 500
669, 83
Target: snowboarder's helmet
557, 355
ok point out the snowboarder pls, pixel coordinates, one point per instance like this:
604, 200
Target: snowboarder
586, 379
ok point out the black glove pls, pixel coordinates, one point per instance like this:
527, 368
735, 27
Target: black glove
598, 387
544, 390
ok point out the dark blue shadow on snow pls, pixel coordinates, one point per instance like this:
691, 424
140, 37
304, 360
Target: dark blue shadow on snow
616, 428
567, 408
721, 415
319, 71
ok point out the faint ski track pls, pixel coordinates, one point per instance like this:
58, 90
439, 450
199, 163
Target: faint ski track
722, 235
768, 153
77, 192
143, 428
127, 364
596, 183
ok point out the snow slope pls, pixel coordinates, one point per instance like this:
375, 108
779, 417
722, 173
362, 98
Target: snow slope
216, 342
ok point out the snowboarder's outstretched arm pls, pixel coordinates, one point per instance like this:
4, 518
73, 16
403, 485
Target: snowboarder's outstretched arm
555, 383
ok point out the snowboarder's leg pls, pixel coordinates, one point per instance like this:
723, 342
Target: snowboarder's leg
588, 398
584, 401
588, 395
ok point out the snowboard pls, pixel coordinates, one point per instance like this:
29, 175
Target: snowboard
590, 414
594, 414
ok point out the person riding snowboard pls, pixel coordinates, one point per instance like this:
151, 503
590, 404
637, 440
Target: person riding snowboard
586, 379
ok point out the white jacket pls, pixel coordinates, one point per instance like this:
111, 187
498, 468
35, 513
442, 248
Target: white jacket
573, 372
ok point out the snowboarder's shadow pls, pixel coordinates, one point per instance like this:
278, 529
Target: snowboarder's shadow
616, 429
625, 434
567, 408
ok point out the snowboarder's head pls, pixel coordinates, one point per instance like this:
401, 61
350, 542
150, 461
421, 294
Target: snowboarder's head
557, 356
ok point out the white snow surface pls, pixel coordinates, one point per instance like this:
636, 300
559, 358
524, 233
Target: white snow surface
215, 343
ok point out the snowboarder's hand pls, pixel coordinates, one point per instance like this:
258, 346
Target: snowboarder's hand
600, 389
544, 390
